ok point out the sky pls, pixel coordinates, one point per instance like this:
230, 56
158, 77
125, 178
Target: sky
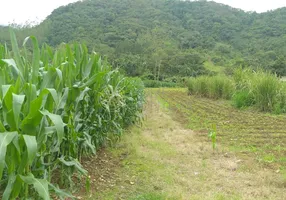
20, 11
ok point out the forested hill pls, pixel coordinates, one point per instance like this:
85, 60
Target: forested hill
168, 37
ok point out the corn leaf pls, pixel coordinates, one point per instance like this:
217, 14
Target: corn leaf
5, 139
40, 185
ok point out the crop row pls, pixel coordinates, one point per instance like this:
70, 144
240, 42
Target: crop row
235, 127
56, 106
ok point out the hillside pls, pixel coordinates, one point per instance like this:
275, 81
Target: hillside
168, 38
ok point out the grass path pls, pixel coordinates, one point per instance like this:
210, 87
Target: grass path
163, 160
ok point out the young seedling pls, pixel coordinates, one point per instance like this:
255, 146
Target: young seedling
212, 135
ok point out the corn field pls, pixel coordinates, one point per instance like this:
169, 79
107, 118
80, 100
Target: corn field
56, 106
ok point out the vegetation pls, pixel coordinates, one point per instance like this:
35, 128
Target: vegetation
245, 88
57, 106
212, 87
212, 135
245, 132
157, 84
168, 38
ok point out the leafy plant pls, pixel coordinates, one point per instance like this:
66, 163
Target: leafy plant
212, 135
57, 106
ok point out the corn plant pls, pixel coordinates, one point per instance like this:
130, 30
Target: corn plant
212, 135
55, 107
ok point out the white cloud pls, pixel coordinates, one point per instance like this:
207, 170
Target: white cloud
21, 11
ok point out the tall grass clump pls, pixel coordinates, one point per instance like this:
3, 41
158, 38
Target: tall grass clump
266, 89
262, 89
212, 87
57, 106
245, 88
198, 86
243, 96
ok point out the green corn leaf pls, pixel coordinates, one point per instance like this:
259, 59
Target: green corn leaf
54, 94
30, 91
59, 124
18, 101
63, 99
92, 80
16, 52
9, 188
7, 95
33, 119
36, 58
5, 139
73, 163
17, 186
15, 71
31, 144
50, 78
61, 193
2, 128
87, 68
40, 185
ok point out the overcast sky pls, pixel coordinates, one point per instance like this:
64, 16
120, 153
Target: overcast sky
20, 11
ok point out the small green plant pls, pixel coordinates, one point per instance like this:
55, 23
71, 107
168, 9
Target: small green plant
212, 135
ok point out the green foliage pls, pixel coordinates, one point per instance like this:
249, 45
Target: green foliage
246, 88
158, 84
242, 99
212, 87
212, 135
280, 105
150, 196
55, 107
266, 87
167, 37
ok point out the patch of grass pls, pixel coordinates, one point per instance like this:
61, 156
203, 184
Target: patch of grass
151, 196
214, 87
266, 87
143, 170
242, 99
246, 88
159, 84
221, 196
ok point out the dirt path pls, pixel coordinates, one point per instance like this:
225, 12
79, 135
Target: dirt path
162, 160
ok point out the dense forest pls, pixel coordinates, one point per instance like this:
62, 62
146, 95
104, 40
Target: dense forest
166, 38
